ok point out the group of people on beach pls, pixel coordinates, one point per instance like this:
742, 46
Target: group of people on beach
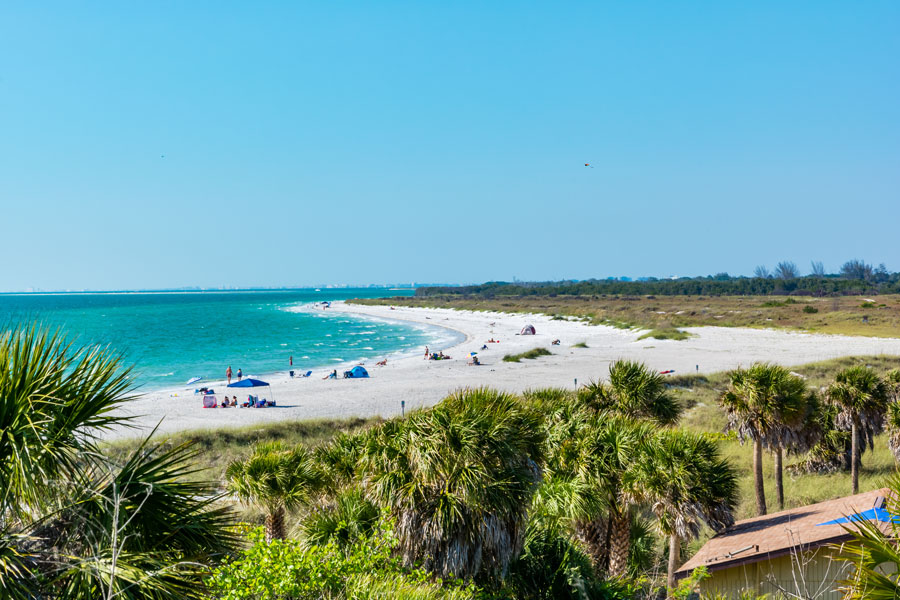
240, 374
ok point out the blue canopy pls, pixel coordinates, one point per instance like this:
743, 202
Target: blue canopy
358, 371
873, 514
249, 382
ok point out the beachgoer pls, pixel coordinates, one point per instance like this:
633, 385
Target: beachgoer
292, 360
484, 347
234, 400
427, 353
228, 374
239, 375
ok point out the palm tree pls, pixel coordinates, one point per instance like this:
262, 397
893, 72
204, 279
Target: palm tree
766, 405
459, 478
686, 483
591, 479
634, 391
75, 523
861, 397
276, 479
892, 419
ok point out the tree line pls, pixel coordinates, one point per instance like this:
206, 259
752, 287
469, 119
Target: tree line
855, 277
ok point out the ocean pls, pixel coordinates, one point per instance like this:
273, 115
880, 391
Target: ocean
170, 337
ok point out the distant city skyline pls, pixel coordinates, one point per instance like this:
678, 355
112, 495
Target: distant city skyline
172, 145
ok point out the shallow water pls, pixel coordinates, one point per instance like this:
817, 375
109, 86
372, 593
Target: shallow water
171, 337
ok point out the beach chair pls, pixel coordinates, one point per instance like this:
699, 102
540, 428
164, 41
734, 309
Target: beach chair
307, 374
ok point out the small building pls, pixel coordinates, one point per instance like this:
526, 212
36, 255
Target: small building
785, 551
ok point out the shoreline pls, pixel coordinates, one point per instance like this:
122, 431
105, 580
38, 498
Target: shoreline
420, 383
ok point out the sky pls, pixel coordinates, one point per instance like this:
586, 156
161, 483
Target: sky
170, 144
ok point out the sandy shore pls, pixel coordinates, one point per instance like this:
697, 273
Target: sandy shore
423, 383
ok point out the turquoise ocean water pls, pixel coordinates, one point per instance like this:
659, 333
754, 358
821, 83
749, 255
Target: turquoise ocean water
171, 337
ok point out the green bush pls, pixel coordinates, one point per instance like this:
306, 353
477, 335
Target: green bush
580, 345
810, 309
286, 570
868, 305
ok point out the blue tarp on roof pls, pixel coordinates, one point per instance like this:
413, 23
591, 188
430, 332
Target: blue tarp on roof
248, 383
358, 371
873, 514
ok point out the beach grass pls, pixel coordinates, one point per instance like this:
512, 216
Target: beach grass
530, 355
846, 315
668, 333
580, 345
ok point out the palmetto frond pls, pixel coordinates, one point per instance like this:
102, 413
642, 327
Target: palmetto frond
459, 478
633, 391
861, 396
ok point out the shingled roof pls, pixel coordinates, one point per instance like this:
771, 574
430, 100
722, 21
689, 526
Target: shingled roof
769, 536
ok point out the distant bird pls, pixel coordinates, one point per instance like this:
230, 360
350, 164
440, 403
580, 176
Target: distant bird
162, 155
589, 165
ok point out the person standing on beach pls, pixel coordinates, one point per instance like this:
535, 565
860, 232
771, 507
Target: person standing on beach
427, 353
239, 375
228, 374
292, 360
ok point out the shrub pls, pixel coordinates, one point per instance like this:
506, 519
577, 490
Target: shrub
811, 310
580, 345
666, 334
531, 355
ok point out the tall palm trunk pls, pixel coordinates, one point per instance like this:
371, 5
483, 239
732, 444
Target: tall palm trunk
674, 556
779, 481
275, 525
594, 535
758, 478
854, 459
620, 543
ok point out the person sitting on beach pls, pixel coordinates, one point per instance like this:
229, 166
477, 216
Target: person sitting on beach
484, 347
381, 363
474, 362
225, 403
555, 343
332, 375
234, 400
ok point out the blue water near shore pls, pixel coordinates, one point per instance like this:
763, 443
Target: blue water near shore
171, 337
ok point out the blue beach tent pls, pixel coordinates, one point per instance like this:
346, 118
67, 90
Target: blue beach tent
248, 383
357, 372
873, 514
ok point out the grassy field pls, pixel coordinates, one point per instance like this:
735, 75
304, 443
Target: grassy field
877, 316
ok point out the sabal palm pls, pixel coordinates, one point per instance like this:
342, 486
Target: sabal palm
276, 479
768, 406
459, 478
73, 522
892, 418
686, 483
632, 390
592, 479
861, 397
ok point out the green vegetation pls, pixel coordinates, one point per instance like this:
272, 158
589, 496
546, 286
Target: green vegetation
530, 354
580, 345
555, 493
75, 524
810, 310
666, 334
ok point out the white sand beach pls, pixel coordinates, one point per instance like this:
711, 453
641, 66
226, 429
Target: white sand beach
419, 382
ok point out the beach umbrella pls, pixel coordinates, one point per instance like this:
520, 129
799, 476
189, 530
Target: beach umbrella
247, 383
193, 380
472, 353
873, 514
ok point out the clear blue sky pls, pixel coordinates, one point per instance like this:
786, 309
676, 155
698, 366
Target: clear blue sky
307, 143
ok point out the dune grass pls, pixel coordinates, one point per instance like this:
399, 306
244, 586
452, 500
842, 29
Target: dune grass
580, 345
669, 333
530, 355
